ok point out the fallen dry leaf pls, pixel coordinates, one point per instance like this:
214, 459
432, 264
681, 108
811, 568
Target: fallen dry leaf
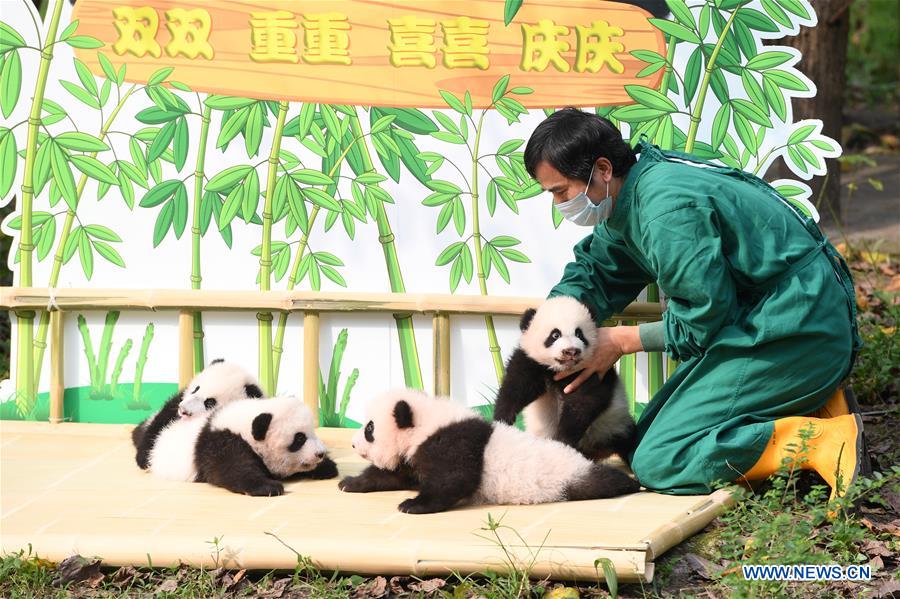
427, 586
702, 566
76, 568
169, 586
276, 591
888, 588
377, 587
894, 285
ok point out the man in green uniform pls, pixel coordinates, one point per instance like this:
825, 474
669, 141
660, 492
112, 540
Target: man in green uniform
760, 308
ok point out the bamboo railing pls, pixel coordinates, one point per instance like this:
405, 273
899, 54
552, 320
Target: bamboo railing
189, 301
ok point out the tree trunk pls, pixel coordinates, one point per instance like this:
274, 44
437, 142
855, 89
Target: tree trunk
824, 49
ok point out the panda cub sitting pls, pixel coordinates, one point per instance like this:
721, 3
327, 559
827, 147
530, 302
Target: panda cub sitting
452, 456
182, 417
249, 446
594, 418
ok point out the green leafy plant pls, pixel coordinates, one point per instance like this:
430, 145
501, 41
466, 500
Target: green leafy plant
332, 413
99, 362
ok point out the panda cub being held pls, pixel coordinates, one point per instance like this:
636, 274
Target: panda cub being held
593, 418
183, 415
452, 456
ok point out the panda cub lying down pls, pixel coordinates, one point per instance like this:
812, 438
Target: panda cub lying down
452, 456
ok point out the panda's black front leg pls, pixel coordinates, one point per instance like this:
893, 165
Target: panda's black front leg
582, 406
225, 460
324, 470
149, 430
246, 477
523, 383
377, 479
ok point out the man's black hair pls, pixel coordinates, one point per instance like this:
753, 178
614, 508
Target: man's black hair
571, 140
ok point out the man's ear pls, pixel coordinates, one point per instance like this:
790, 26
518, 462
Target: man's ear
403, 414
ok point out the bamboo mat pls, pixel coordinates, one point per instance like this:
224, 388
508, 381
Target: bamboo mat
74, 488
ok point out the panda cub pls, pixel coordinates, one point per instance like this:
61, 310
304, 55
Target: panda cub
452, 456
182, 416
594, 418
250, 445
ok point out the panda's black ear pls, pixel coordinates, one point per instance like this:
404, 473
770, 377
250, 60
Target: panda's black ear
403, 414
252, 391
526, 319
261, 426
216, 361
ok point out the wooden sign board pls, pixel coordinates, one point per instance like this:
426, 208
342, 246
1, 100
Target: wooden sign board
375, 53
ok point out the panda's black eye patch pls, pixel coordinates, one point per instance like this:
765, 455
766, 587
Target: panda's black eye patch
580, 335
370, 428
197, 388
552, 337
299, 440
209, 403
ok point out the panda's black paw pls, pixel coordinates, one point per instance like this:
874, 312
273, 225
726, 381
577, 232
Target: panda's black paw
267, 489
354, 484
417, 506
326, 469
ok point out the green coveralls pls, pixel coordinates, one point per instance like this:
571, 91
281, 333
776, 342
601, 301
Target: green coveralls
760, 311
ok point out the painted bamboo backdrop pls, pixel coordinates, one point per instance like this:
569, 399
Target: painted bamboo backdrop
154, 185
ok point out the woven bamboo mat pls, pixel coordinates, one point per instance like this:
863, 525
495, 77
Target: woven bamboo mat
74, 488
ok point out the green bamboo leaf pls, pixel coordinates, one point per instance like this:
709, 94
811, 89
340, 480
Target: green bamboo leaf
796, 7
666, 132
161, 142
446, 122
307, 112
251, 196
452, 101
767, 60
10, 83
498, 261
8, 162
504, 241
808, 155
515, 256
163, 222
80, 94
102, 233
180, 86
650, 98
133, 173
444, 217
84, 42
823, 145
226, 180
786, 80
452, 138
383, 123
437, 199
790, 191
47, 237
137, 156
681, 12
159, 76
410, 119
71, 244
650, 69
450, 253
80, 142
180, 145
180, 211
254, 129
636, 113
370, 178
86, 77
444, 186
692, 74
800, 134
648, 56
455, 274
232, 206
320, 198
160, 193
754, 89
315, 280
94, 168
720, 125
217, 102
156, 116
745, 39
676, 30
311, 177
500, 88
468, 265
9, 38
104, 92
754, 19
751, 112
62, 176
797, 158
719, 86
109, 253
775, 98
509, 146
459, 216
126, 189
86, 255
232, 125
510, 8
745, 131
327, 258
120, 76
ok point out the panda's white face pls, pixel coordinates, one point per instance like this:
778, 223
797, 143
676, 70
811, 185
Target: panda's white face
559, 334
281, 431
400, 420
218, 384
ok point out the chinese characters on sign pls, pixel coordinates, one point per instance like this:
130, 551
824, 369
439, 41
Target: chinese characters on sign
412, 40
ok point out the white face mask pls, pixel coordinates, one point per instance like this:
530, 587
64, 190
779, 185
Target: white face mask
582, 211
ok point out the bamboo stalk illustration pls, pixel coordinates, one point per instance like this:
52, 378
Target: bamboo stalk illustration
88, 350
139, 365
704, 85
117, 370
44, 323
26, 383
266, 372
196, 278
493, 343
105, 347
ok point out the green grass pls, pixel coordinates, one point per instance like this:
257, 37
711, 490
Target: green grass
82, 405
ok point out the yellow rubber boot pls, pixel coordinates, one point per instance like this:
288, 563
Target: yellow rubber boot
837, 405
834, 450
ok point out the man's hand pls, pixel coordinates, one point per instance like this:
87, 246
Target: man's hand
612, 344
